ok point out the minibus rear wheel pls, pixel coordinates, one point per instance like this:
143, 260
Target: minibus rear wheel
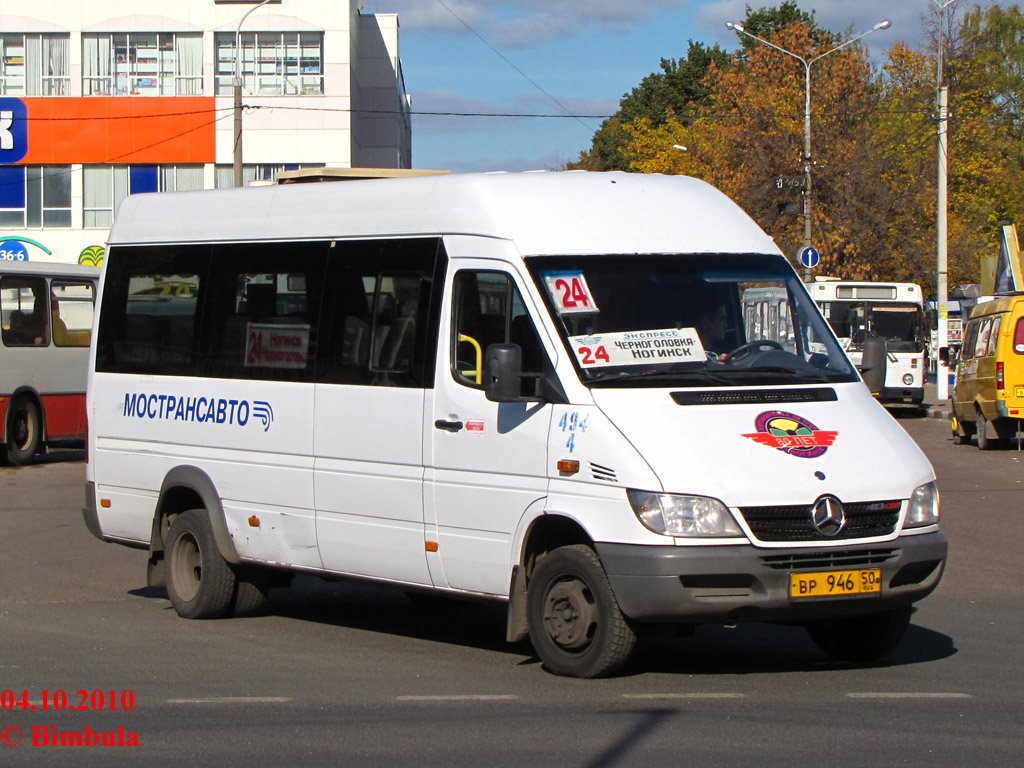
200, 582
575, 623
24, 430
861, 638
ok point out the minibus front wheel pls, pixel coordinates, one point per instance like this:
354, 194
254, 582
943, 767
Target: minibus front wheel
575, 623
200, 582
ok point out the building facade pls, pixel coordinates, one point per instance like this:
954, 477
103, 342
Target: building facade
100, 99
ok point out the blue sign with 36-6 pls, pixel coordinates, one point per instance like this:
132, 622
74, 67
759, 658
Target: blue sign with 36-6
809, 257
12, 250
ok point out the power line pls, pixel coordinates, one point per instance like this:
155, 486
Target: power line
517, 69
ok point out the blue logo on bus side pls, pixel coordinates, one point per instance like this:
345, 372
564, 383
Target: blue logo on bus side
201, 410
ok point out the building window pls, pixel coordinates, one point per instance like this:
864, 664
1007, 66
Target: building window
225, 174
35, 196
273, 63
181, 178
105, 186
34, 65
142, 64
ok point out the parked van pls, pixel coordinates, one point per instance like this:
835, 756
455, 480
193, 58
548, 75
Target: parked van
535, 388
988, 398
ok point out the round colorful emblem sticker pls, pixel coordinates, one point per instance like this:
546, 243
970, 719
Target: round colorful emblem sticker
791, 434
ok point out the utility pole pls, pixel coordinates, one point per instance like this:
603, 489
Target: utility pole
941, 245
237, 88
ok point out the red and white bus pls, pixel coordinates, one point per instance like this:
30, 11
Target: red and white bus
46, 313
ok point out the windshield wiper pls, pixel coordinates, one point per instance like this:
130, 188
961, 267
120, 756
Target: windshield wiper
703, 374
805, 373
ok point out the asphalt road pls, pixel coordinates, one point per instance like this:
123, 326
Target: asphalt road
340, 674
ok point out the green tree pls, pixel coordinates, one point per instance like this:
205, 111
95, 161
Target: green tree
678, 89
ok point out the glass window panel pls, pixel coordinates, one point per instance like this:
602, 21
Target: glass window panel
57, 186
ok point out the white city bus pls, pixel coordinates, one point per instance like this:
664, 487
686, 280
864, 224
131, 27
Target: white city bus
604, 399
46, 313
894, 312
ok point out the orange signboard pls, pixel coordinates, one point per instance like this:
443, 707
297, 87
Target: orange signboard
120, 129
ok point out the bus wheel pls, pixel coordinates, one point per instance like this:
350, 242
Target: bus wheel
861, 638
986, 441
251, 591
575, 623
24, 430
200, 582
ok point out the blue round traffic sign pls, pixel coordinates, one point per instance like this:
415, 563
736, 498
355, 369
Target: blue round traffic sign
809, 257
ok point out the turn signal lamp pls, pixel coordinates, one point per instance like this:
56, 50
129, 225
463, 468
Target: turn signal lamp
1000, 382
568, 466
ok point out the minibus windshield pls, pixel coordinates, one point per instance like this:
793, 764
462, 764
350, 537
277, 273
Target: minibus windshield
682, 320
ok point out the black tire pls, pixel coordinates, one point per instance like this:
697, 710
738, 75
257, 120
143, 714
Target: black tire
200, 582
253, 585
861, 638
575, 623
985, 442
24, 430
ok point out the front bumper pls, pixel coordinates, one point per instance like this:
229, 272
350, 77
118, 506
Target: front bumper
901, 395
734, 584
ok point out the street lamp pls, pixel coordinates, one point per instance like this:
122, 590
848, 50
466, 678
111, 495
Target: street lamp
736, 27
237, 159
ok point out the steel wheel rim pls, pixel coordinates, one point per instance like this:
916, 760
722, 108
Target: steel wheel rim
570, 614
186, 566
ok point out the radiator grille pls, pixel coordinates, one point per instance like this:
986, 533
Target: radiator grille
793, 523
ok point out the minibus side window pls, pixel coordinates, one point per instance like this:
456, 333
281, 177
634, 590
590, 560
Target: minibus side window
970, 339
993, 338
981, 349
24, 312
263, 301
488, 309
151, 301
379, 323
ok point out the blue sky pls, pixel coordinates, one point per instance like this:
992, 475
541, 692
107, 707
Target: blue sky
582, 54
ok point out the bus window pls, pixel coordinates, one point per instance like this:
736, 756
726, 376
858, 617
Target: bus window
23, 304
71, 311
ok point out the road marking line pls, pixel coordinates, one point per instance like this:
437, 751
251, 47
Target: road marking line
695, 695
232, 700
460, 697
909, 695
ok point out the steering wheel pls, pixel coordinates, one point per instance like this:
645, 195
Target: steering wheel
746, 350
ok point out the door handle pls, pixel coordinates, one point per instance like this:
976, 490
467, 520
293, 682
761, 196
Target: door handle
448, 426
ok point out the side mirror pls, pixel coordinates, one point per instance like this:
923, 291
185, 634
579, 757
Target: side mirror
945, 356
503, 370
932, 318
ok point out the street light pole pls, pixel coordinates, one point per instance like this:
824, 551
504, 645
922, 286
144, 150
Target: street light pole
736, 27
942, 235
237, 93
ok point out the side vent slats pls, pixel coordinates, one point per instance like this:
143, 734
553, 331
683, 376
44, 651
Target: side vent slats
603, 473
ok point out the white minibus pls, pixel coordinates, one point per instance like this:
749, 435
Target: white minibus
46, 318
536, 388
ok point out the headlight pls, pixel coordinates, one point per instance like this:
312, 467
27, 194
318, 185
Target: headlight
924, 506
673, 515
